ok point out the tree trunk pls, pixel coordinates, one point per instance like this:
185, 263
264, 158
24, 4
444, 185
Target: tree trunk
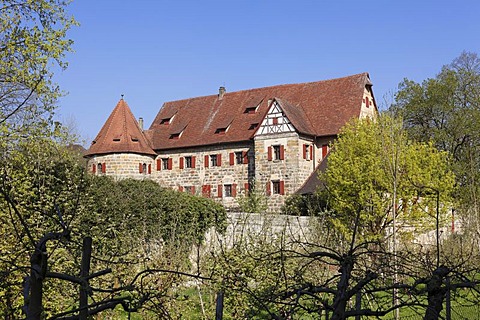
436, 293
341, 297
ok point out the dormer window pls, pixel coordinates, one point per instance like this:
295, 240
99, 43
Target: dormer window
133, 139
165, 121
253, 126
250, 110
175, 136
116, 139
221, 130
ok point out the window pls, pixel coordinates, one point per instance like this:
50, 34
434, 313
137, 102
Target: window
188, 162
276, 152
165, 121
213, 160
253, 126
189, 189
250, 110
228, 190
278, 187
307, 152
275, 120
239, 157
100, 168
221, 131
175, 136
165, 165
142, 168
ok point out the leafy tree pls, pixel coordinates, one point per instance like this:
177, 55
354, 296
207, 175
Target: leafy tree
445, 110
375, 170
33, 39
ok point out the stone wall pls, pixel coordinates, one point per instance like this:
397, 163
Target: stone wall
124, 165
209, 181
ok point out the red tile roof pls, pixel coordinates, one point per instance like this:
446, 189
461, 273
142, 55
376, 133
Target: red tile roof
315, 108
120, 133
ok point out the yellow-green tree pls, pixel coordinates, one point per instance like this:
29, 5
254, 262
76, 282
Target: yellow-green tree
377, 176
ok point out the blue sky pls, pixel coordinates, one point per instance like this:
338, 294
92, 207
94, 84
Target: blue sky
157, 51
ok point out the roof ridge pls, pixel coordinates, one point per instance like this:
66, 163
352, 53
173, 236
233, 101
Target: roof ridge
271, 87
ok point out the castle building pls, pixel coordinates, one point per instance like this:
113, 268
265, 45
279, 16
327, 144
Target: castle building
223, 145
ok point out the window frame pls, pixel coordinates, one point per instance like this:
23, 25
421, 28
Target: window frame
239, 157
188, 162
213, 159
276, 151
227, 190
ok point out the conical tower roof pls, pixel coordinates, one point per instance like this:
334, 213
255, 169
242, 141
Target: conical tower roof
120, 134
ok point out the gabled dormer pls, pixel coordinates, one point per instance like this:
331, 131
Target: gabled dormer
275, 121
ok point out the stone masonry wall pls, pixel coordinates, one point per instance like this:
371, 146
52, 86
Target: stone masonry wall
124, 165
216, 177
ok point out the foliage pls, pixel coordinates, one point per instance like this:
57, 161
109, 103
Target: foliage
40, 188
254, 201
33, 41
446, 111
304, 205
371, 165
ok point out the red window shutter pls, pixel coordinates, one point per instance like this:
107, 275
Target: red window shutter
220, 190
94, 168
282, 187
193, 189
193, 161
140, 168
219, 160
206, 189
282, 152
181, 163
246, 186
206, 161
305, 151
269, 156
180, 188
269, 188
149, 168
311, 152
245, 157
367, 102
104, 167
232, 158
234, 190
159, 164
170, 164
324, 151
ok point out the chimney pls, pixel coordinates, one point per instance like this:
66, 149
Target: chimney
140, 123
221, 92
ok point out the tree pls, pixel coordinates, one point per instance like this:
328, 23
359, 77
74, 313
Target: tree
33, 38
445, 110
375, 170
